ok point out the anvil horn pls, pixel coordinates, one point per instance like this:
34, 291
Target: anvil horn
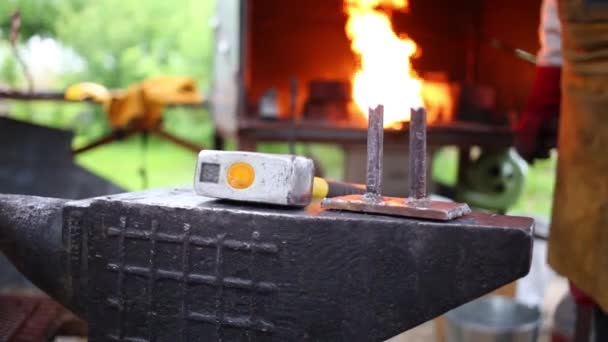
31, 237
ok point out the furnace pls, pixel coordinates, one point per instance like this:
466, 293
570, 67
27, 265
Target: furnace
299, 57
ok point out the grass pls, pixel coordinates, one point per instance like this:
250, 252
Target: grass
170, 165
538, 188
164, 164
122, 162
537, 198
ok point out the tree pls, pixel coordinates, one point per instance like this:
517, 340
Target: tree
123, 41
38, 17
120, 42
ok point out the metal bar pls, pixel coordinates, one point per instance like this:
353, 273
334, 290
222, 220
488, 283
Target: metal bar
109, 138
457, 133
375, 139
417, 157
60, 97
29, 96
177, 140
519, 53
293, 104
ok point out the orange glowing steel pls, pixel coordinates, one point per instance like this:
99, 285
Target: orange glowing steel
385, 75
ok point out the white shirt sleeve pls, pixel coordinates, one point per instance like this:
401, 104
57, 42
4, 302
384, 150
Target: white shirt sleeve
550, 53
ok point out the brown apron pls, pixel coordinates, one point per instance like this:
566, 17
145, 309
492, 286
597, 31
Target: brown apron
578, 245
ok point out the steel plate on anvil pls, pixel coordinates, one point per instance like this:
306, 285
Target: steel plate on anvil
168, 265
395, 206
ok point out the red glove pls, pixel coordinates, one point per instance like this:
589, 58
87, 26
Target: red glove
580, 298
536, 131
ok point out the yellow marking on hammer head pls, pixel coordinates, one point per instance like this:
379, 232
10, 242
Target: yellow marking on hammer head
240, 175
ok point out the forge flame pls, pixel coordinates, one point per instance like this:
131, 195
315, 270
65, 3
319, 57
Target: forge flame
385, 74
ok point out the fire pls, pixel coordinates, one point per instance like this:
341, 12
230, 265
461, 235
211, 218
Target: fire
385, 75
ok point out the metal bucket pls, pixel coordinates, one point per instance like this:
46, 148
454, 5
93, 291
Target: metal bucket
493, 318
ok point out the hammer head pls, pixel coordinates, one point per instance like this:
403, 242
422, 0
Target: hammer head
255, 177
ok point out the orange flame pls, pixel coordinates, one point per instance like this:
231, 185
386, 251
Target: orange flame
385, 75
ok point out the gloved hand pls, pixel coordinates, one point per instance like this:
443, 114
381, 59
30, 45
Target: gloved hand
579, 296
536, 130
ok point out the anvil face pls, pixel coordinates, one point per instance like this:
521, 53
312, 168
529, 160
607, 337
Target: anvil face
168, 265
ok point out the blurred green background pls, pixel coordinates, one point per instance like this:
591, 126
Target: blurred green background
117, 42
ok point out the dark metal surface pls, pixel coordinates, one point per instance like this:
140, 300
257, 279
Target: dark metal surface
458, 133
375, 139
417, 156
327, 101
36, 248
168, 265
36, 160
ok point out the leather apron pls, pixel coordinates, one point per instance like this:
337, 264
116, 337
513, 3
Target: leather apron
578, 244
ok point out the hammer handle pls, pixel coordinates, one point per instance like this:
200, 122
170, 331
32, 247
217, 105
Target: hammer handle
323, 188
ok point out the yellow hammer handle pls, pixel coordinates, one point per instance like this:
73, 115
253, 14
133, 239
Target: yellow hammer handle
322, 188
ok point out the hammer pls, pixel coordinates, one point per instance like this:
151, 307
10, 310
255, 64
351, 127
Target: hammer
264, 178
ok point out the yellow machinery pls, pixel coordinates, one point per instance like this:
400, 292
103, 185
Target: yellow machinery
140, 107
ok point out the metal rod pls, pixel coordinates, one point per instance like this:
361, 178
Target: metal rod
60, 97
375, 142
293, 104
177, 140
417, 157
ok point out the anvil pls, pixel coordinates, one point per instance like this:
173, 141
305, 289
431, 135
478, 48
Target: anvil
168, 265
